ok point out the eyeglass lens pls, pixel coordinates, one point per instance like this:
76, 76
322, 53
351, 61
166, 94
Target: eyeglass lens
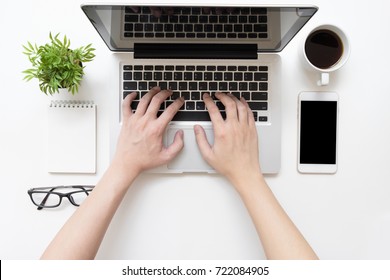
46, 200
79, 197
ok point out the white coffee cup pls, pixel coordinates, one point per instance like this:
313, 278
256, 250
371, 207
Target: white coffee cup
325, 50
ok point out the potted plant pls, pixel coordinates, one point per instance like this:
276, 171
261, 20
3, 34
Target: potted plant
57, 66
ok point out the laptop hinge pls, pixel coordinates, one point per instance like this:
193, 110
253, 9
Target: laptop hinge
195, 51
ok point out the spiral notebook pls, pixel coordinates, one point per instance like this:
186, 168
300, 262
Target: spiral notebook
72, 137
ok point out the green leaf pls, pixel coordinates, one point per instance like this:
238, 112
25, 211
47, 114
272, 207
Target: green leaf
55, 65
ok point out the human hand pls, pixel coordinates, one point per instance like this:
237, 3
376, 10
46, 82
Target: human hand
140, 144
234, 153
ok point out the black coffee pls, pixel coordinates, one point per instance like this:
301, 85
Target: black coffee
323, 48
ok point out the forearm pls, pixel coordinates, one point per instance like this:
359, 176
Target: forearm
82, 234
279, 236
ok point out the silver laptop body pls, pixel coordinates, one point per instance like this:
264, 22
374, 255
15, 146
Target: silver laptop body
197, 49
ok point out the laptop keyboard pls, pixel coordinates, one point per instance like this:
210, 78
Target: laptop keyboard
190, 82
196, 22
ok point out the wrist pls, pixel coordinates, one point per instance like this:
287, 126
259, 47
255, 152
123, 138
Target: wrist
120, 175
248, 181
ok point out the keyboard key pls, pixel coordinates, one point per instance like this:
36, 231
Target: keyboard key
258, 106
163, 85
172, 85
130, 86
259, 95
223, 86
208, 76
148, 76
233, 86
200, 105
263, 119
198, 76
183, 86
195, 95
253, 86
127, 76
137, 76
246, 95
190, 105
168, 76
263, 86
203, 86
238, 76
152, 84
243, 86
227, 76
143, 86
178, 76
193, 86
218, 76
158, 76
248, 76
260, 76
175, 95
185, 95
213, 86
188, 76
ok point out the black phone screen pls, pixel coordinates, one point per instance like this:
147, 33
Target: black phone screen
318, 129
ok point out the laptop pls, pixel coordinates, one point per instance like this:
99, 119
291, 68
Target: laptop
197, 49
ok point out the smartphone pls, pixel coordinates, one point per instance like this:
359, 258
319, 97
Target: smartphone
317, 132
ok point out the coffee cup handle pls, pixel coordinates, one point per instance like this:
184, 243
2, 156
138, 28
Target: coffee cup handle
324, 79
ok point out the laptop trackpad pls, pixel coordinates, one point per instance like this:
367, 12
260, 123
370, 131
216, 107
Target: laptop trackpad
189, 159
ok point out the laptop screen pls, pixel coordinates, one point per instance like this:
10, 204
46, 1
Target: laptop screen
269, 29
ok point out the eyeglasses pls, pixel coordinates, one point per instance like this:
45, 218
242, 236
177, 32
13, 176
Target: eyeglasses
51, 197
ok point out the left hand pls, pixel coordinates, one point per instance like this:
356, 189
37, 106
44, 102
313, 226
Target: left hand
140, 145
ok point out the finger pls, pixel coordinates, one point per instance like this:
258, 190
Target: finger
242, 110
251, 119
145, 100
157, 100
177, 145
126, 105
215, 114
203, 143
171, 111
230, 106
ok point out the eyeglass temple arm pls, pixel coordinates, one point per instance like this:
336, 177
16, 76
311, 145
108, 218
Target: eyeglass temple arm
40, 207
86, 191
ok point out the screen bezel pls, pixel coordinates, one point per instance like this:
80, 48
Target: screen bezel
320, 167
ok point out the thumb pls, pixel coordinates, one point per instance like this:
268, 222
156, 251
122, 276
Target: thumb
203, 143
176, 146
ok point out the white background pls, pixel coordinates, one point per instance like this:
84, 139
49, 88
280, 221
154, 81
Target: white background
343, 216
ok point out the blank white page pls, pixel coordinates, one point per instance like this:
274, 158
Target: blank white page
72, 137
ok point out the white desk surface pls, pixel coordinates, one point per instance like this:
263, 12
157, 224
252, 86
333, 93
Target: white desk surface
343, 216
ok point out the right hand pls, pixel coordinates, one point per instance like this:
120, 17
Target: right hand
234, 153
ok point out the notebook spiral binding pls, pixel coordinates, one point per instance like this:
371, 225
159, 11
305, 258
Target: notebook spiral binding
72, 104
